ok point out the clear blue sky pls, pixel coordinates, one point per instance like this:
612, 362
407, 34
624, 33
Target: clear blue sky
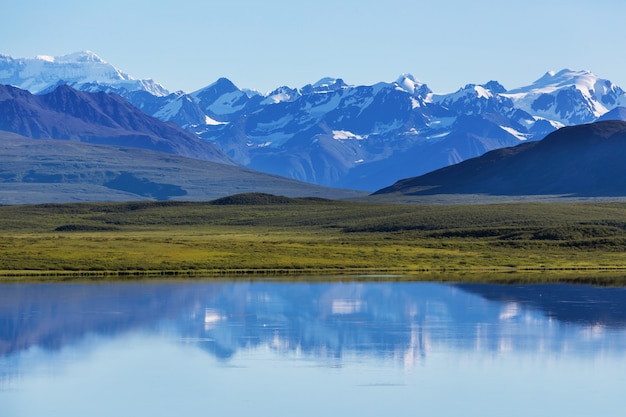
186, 45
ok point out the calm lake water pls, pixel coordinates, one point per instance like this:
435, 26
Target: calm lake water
311, 349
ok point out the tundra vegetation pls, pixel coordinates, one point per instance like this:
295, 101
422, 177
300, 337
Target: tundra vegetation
260, 234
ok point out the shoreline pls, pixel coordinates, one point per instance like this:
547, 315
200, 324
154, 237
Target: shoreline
594, 276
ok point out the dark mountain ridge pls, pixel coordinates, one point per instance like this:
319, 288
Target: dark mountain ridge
581, 161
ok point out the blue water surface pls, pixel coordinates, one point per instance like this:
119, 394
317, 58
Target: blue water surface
311, 349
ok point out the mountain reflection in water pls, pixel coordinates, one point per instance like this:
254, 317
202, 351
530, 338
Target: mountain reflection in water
400, 320
311, 349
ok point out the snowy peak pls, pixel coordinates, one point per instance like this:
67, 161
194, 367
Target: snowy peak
325, 85
476, 99
413, 86
408, 82
494, 87
330, 83
222, 101
566, 78
83, 70
218, 88
282, 94
76, 57
552, 81
568, 96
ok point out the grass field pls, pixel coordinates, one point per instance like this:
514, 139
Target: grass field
261, 234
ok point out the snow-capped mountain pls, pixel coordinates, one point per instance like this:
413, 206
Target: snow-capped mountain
83, 71
337, 134
568, 97
363, 137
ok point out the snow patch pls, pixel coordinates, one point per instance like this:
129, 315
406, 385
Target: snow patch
277, 98
212, 122
325, 82
514, 132
345, 135
438, 136
46, 58
482, 92
467, 94
275, 139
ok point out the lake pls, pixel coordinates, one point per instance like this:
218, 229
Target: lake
316, 348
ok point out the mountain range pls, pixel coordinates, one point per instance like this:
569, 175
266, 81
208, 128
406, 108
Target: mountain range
69, 145
335, 134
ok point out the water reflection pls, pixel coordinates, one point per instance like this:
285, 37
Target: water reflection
333, 325
400, 319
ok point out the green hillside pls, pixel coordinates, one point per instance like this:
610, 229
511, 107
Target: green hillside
260, 234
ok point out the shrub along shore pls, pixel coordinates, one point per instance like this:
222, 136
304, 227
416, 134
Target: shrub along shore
258, 235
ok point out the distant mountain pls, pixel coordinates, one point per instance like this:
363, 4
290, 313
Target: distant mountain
56, 171
98, 118
568, 97
336, 134
581, 161
83, 71
366, 137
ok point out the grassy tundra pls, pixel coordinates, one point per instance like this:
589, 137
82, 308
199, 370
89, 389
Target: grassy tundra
254, 234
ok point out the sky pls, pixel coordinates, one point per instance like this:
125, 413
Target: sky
188, 44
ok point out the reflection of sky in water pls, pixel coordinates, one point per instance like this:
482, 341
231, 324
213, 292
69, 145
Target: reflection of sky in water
307, 349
